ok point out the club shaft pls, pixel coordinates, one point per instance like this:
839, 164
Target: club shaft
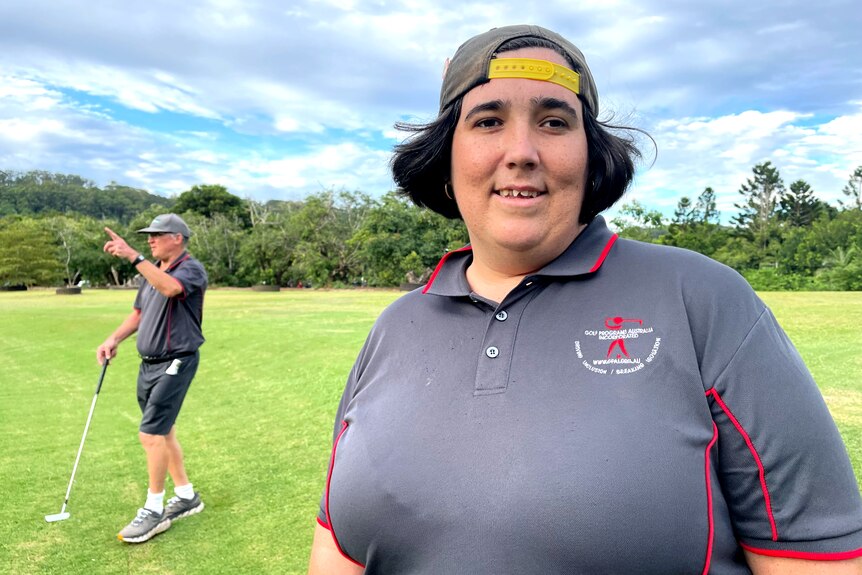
84, 436
80, 449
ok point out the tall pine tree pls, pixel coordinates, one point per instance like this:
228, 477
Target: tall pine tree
686, 213
798, 207
756, 220
705, 206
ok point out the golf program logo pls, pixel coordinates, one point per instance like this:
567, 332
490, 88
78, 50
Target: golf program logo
619, 346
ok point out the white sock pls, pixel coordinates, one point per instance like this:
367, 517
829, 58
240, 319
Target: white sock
155, 501
186, 491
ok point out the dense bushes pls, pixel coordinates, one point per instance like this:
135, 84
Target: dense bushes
53, 232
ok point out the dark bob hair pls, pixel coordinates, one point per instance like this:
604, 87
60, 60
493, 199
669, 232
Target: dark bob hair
421, 165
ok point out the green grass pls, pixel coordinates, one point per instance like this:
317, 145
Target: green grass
256, 425
826, 328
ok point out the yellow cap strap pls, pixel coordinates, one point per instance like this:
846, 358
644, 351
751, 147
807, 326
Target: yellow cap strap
535, 70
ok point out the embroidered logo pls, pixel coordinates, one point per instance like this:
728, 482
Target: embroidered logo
625, 345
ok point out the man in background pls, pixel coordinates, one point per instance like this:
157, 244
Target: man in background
167, 316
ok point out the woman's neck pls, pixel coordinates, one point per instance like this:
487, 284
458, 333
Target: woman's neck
491, 283
495, 272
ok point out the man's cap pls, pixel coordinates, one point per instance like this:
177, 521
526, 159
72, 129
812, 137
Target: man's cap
468, 68
167, 223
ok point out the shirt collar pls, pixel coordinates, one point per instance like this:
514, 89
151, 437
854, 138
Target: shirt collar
584, 256
181, 258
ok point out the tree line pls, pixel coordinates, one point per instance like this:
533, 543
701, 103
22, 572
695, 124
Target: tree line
781, 238
52, 232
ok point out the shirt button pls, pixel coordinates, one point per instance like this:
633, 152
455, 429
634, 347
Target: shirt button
502, 316
492, 352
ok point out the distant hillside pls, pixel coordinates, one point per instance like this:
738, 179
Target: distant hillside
40, 192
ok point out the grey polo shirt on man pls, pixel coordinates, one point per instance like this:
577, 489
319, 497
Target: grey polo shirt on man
629, 408
171, 326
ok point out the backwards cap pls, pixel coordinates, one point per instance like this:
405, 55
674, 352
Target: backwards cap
470, 66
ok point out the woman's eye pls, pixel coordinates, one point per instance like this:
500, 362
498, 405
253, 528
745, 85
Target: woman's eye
555, 123
487, 123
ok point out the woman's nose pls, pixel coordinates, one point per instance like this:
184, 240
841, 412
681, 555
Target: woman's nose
521, 150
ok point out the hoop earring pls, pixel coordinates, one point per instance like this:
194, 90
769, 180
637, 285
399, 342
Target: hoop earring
446, 191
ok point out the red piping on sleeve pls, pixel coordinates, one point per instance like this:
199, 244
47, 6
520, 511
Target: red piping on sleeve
328, 480
804, 554
440, 265
172, 267
709, 500
761, 471
604, 253
182, 294
323, 524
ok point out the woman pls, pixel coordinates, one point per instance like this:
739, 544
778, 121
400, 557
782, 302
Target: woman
556, 400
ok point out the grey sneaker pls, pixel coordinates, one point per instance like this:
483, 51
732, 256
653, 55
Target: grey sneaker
146, 525
178, 507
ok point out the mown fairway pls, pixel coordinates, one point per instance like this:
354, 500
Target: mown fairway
256, 425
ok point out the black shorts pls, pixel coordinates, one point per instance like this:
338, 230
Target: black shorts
161, 394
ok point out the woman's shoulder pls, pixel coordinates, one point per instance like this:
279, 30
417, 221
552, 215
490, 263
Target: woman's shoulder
715, 303
701, 283
690, 268
405, 308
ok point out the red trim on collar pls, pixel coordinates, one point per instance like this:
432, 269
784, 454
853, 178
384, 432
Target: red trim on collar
604, 254
178, 262
440, 266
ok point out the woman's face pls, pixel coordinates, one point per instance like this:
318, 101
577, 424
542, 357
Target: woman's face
519, 165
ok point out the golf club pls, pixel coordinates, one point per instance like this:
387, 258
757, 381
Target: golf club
63, 514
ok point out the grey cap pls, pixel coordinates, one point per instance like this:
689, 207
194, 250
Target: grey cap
468, 68
167, 223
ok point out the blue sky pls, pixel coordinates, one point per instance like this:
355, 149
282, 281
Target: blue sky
276, 100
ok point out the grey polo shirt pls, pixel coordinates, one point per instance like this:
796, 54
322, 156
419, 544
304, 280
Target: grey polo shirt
173, 325
629, 408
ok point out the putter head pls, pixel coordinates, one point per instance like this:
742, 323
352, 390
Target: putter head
57, 517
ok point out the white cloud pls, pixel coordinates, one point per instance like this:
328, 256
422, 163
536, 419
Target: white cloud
720, 152
278, 100
18, 131
343, 165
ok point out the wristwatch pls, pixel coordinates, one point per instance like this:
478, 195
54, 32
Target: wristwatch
138, 260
